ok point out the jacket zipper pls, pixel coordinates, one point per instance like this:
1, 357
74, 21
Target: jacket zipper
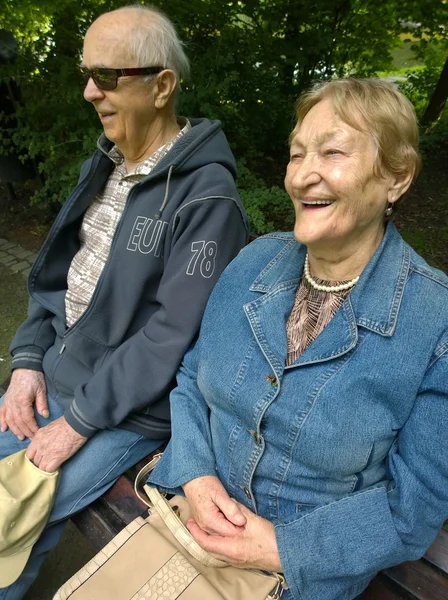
62, 215
70, 329
96, 291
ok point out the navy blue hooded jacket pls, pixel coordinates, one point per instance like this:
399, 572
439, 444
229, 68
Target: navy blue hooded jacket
181, 226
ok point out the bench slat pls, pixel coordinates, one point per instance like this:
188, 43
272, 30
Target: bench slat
382, 588
121, 499
438, 553
420, 579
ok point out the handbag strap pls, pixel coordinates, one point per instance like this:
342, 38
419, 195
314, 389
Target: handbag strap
179, 530
155, 500
142, 474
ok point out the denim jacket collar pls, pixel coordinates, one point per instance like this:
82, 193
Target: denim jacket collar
373, 304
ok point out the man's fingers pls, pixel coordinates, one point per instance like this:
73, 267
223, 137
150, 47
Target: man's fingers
50, 466
34, 456
26, 422
15, 429
42, 404
30, 453
3, 424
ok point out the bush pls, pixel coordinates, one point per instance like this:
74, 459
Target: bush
421, 81
268, 208
250, 61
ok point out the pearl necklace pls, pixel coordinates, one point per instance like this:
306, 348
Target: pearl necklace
326, 288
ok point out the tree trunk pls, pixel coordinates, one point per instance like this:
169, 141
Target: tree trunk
438, 99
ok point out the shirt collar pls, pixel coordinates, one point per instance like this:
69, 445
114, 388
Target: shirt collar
377, 296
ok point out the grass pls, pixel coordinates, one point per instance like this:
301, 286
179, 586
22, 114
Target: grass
403, 58
403, 61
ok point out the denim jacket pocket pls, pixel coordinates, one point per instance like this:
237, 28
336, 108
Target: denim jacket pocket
303, 508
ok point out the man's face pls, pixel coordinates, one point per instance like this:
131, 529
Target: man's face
126, 112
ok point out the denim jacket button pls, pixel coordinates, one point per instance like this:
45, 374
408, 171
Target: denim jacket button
255, 435
245, 490
272, 379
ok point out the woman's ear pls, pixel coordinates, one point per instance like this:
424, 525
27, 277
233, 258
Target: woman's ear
399, 185
164, 88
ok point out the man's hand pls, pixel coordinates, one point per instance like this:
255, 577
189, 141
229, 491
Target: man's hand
27, 388
213, 509
53, 444
252, 546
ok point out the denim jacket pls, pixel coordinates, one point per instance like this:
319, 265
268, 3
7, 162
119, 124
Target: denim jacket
345, 450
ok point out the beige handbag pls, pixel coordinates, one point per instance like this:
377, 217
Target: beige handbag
157, 558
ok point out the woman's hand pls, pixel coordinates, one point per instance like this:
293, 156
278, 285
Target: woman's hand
253, 545
213, 509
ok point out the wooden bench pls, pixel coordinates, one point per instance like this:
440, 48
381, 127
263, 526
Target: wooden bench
424, 579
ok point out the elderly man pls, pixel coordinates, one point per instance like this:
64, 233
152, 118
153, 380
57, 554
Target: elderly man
120, 285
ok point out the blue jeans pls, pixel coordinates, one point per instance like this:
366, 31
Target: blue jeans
84, 477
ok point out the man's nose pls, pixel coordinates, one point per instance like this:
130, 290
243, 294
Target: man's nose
92, 91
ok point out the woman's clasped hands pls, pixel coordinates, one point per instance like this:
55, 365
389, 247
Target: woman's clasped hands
229, 530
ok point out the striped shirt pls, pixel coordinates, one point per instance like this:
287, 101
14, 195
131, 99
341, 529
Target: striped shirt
100, 223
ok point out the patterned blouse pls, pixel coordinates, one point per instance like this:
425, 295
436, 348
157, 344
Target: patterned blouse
311, 313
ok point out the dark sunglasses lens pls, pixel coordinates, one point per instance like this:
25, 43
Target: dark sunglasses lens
84, 77
105, 81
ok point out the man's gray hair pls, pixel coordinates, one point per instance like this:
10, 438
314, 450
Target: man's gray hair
155, 43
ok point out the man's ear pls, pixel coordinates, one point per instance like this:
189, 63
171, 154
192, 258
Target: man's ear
164, 88
399, 185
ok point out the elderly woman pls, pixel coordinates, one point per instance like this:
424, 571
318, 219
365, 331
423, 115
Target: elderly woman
310, 419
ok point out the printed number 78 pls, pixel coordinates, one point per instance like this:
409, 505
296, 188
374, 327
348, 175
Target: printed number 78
207, 253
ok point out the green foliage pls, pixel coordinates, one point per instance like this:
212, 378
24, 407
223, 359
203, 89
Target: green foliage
250, 60
268, 209
421, 82
434, 141
426, 243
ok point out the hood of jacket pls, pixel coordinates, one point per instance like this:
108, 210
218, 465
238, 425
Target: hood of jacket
203, 144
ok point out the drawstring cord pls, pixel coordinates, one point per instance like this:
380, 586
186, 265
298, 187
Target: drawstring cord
165, 199
158, 214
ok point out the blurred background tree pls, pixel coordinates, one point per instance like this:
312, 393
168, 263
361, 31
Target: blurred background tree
250, 61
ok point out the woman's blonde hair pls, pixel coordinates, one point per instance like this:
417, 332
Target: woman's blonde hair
377, 108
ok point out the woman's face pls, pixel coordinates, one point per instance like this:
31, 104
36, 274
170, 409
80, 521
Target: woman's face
338, 199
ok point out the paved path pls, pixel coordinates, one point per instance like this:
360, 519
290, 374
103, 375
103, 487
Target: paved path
16, 258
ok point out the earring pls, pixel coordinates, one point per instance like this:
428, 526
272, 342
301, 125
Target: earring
389, 210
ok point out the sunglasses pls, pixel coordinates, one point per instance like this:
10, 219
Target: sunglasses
107, 79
